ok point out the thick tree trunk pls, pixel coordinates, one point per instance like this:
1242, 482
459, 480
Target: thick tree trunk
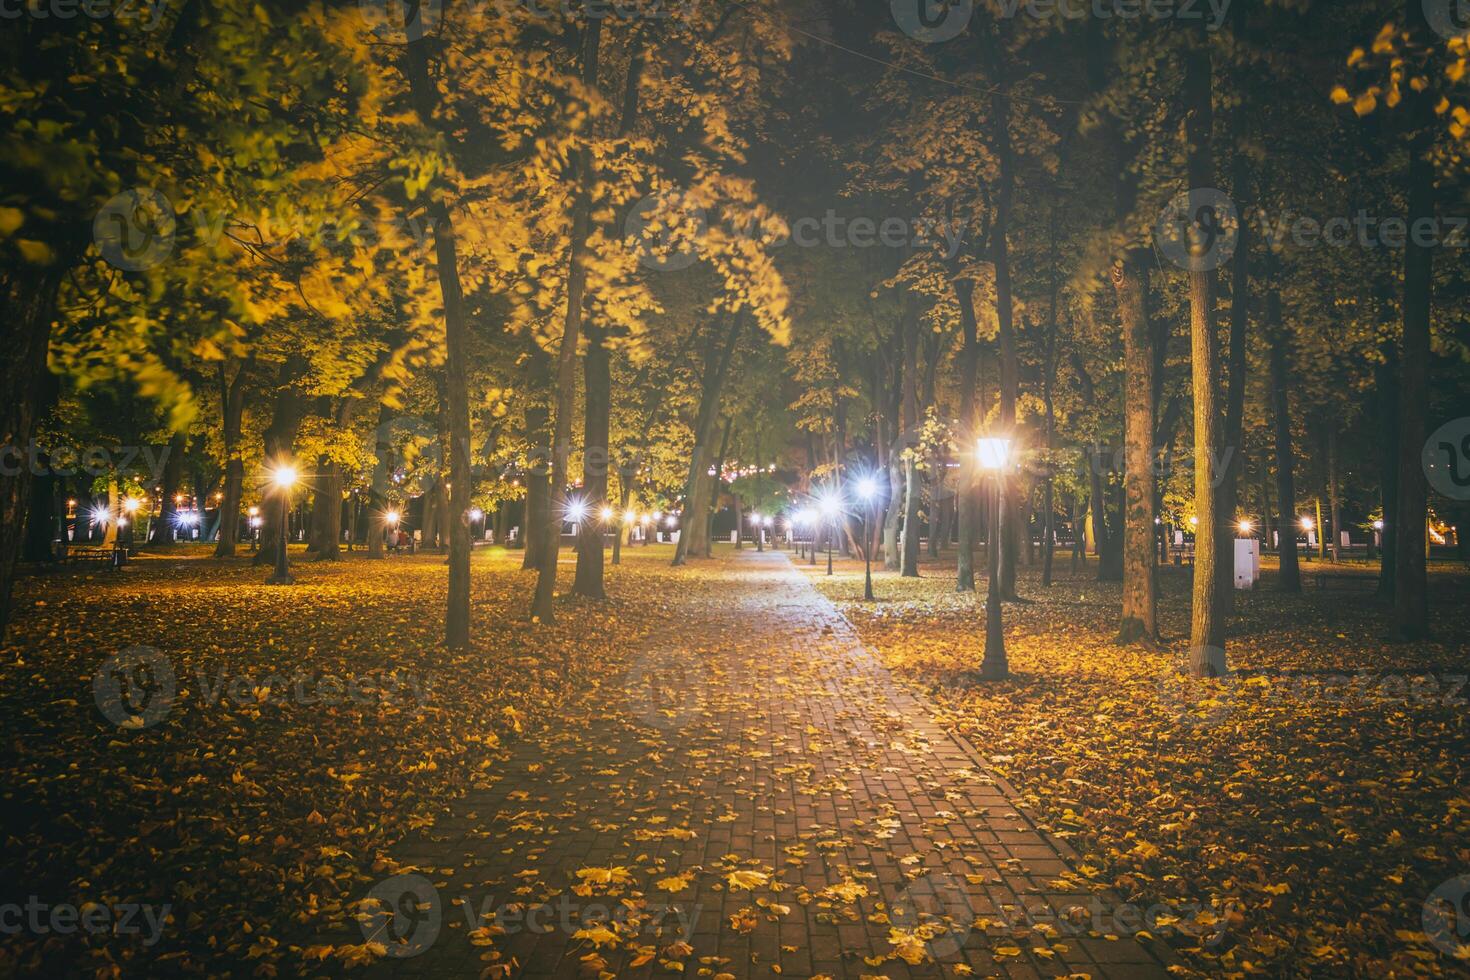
280, 449
1140, 589
1334, 501
1411, 581
1207, 620
596, 425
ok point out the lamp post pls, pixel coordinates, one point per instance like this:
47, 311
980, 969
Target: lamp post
284, 478
831, 506
867, 489
993, 455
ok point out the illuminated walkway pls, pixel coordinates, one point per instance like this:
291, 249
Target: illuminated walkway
751, 794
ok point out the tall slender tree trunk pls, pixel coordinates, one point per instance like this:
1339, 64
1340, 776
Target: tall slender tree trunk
1387, 375
456, 388
1140, 587
378, 485
909, 567
966, 493
1290, 576
716, 365
1334, 501
1207, 620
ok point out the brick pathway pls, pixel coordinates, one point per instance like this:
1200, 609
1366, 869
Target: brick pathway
763, 746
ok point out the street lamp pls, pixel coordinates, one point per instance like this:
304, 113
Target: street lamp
1245, 526
993, 455
867, 489
254, 529
284, 478
808, 518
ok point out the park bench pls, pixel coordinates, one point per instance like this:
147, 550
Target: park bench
1365, 582
111, 557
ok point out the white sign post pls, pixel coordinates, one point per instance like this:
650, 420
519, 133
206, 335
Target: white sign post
1247, 562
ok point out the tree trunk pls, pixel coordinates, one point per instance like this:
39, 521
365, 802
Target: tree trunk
1334, 501
716, 365
456, 389
966, 499
596, 425
1411, 581
909, 567
232, 402
378, 488
1387, 375
1207, 622
1290, 575
1140, 588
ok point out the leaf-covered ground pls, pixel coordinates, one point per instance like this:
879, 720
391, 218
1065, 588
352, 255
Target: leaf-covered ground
1322, 792
312, 727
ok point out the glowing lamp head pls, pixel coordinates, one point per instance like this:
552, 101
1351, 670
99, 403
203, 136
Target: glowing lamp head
629, 517
1245, 527
606, 513
476, 513
1378, 525
830, 505
1307, 524
1194, 522
992, 453
658, 515
576, 511
122, 522
670, 521
254, 511
284, 477
766, 520
132, 504
755, 517
646, 519
100, 515
867, 488
392, 517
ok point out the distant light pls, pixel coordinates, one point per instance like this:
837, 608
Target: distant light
1378, 525
122, 522
1245, 527
606, 513
755, 517
1307, 524
392, 517
254, 511
476, 513
629, 517
131, 504
645, 519
767, 520
576, 510
1194, 521
670, 521
101, 515
71, 503
993, 453
284, 477
255, 522
658, 515
867, 488
831, 505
